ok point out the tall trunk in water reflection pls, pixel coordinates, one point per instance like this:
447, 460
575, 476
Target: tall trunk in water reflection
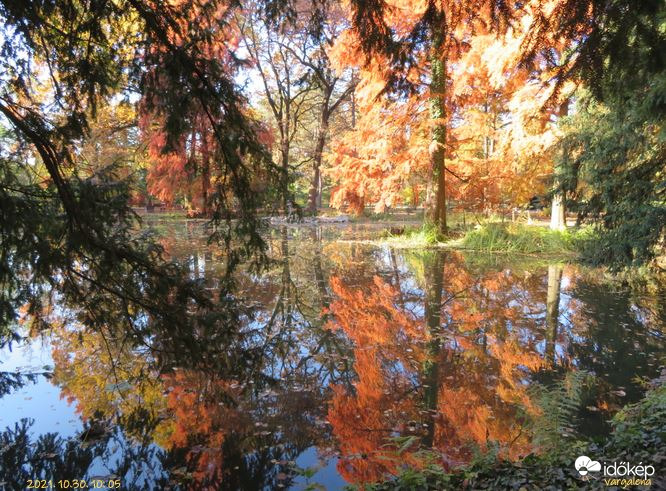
318, 270
552, 309
284, 249
282, 312
396, 277
208, 267
286, 275
433, 267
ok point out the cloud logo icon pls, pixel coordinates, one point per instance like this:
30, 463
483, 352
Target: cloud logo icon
585, 464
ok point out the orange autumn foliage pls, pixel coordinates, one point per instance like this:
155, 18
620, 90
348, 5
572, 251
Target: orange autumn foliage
363, 422
183, 168
199, 422
185, 171
501, 117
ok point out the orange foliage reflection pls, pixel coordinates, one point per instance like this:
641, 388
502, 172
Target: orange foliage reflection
478, 358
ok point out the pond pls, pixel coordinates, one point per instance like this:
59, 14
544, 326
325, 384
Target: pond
348, 361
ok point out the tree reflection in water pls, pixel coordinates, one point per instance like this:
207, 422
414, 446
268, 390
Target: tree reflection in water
366, 354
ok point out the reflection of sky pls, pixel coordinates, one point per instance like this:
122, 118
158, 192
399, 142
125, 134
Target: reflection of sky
327, 473
40, 401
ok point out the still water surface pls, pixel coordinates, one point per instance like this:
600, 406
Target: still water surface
356, 358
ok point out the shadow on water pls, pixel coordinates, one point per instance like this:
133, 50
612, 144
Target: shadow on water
343, 362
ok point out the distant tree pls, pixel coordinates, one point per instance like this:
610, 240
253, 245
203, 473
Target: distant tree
287, 84
335, 84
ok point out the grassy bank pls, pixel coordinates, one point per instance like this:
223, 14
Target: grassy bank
424, 236
638, 436
493, 237
522, 239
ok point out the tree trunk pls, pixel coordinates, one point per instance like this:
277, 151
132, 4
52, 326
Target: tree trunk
205, 184
320, 189
353, 109
314, 194
437, 213
205, 178
284, 178
557, 221
557, 210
